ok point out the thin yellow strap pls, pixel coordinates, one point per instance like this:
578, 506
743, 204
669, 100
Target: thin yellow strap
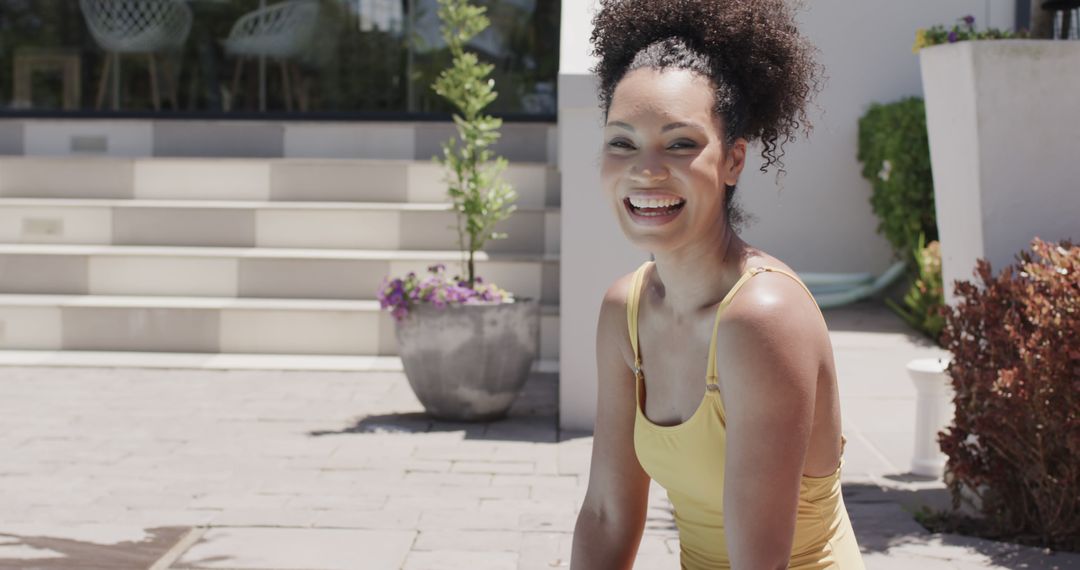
712, 376
797, 280
632, 302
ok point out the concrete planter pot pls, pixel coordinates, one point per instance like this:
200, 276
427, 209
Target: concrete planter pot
933, 413
469, 362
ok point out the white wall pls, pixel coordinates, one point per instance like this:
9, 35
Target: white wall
1004, 139
597, 253
820, 221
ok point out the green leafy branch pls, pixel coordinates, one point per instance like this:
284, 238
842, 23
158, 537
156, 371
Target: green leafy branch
480, 197
925, 300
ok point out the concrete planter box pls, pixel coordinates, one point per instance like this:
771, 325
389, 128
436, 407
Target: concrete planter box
1001, 117
469, 362
1004, 140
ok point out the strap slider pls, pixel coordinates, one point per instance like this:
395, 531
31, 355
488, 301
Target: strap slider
759, 269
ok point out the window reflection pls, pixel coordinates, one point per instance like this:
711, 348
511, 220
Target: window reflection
262, 56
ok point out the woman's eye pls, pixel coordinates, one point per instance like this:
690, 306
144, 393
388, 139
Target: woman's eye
680, 144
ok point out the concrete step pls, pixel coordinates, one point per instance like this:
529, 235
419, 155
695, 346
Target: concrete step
251, 272
214, 325
216, 361
330, 225
268, 138
254, 179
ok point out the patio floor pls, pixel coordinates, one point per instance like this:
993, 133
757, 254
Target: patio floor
110, 468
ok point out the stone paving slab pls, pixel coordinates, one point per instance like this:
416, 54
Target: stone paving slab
165, 469
291, 549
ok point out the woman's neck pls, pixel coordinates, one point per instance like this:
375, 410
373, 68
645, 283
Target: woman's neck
688, 282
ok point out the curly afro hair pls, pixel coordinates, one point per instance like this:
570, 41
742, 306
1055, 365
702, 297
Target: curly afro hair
762, 71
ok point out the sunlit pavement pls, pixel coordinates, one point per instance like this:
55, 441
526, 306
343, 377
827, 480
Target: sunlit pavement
109, 468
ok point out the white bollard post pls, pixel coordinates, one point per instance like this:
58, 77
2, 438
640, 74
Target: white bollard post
934, 411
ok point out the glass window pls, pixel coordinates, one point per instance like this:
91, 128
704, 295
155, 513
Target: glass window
244, 57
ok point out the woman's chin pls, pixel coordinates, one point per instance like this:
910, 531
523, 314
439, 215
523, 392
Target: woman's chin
651, 241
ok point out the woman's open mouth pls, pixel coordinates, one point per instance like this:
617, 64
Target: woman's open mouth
653, 212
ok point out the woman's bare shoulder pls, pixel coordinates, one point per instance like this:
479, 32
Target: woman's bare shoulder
776, 302
619, 290
613, 325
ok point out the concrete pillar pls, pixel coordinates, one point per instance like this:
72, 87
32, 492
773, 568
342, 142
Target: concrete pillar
594, 252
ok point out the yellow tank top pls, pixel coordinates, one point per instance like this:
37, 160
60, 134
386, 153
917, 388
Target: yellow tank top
687, 459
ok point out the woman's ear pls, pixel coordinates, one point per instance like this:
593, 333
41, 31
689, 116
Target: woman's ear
734, 160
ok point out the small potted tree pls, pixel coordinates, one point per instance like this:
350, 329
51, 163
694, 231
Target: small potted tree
467, 346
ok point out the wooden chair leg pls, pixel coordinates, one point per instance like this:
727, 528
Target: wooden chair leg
172, 82
236, 78
286, 89
104, 80
168, 81
117, 75
154, 95
300, 87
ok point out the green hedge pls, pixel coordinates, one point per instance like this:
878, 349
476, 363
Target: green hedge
895, 154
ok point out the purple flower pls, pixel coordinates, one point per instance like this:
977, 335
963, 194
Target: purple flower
969, 20
952, 37
399, 295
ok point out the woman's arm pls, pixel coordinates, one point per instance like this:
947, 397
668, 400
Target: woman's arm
770, 367
612, 517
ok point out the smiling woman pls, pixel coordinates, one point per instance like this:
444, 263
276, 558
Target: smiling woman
751, 454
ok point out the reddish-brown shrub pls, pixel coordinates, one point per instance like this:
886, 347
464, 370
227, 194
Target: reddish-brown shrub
1015, 439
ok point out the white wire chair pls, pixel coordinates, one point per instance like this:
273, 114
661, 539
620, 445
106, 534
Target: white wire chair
281, 31
136, 27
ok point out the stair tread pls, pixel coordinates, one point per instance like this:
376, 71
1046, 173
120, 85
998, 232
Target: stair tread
243, 159
187, 302
242, 204
216, 360
268, 252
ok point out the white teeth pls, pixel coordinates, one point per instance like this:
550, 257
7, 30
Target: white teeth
654, 203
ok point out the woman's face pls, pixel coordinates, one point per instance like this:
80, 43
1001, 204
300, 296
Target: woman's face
663, 161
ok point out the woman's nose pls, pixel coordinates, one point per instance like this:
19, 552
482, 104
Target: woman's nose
652, 171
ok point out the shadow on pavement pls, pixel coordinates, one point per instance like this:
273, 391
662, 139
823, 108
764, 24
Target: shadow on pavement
884, 522
532, 418
52, 553
868, 315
